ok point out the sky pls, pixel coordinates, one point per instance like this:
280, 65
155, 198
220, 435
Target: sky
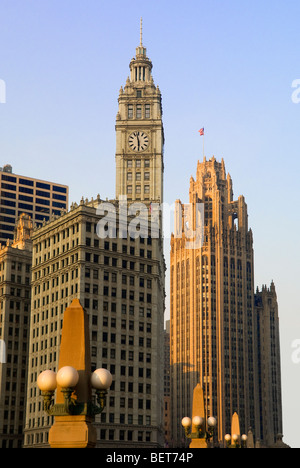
225, 65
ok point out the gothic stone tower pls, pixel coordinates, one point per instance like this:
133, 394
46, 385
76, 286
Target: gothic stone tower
268, 351
140, 134
212, 308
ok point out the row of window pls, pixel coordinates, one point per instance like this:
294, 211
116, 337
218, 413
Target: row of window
138, 189
137, 163
132, 295
114, 245
111, 434
32, 183
30, 199
138, 176
105, 434
143, 282
112, 307
39, 193
130, 324
139, 111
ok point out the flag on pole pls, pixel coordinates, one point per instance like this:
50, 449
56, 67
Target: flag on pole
201, 131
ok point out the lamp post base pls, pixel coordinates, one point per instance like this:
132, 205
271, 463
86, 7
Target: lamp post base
198, 443
72, 432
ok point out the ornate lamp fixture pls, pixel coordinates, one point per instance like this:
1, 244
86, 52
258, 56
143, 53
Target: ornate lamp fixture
67, 378
236, 441
203, 429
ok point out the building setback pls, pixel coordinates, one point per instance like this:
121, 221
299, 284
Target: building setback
214, 325
37, 198
120, 283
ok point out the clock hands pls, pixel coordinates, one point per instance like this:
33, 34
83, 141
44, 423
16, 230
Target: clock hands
138, 141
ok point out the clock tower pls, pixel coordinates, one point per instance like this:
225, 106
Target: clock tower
140, 134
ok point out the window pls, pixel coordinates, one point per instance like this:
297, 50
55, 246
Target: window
138, 176
147, 189
24, 182
9, 178
55, 188
129, 176
147, 111
147, 176
138, 111
129, 189
130, 111
43, 186
139, 93
41, 193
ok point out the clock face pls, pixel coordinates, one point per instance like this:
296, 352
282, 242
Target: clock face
138, 141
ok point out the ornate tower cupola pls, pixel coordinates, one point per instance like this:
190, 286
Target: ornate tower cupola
140, 134
140, 66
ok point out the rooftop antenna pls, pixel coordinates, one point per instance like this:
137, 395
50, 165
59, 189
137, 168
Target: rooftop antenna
141, 33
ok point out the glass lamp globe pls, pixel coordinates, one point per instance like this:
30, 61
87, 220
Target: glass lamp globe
212, 422
244, 438
186, 422
101, 379
228, 437
235, 437
197, 421
47, 381
67, 377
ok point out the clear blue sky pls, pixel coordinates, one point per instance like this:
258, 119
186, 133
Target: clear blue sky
227, 65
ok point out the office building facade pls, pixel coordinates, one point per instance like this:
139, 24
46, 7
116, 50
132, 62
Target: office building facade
119, 282
37, 198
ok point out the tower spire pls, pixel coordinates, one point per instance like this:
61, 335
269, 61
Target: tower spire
141, 33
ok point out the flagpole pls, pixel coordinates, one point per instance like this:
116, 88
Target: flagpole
202, 134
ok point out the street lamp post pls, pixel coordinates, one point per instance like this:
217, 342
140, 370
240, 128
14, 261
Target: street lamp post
199, 430
235, 440
73, 408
